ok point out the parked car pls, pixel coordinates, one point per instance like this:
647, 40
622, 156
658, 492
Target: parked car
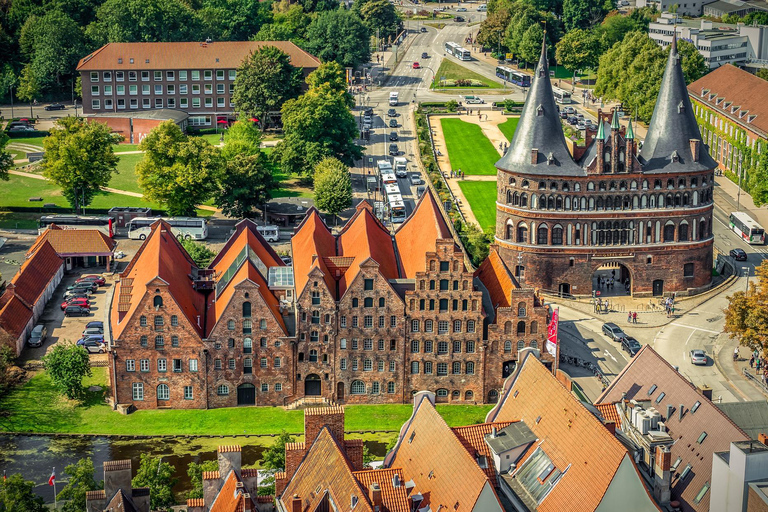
420, 190
95, 323
393, 149
423, 29
613, 331
581, 125
54, 106
570, 110
738, 254
631, 345
563, 115
393, 136
93, 331
83, 285
287, 260
416, 65
473, 100
78, 301
76, 311
37, 336
698, 356
94, 337
393, 123
415, 179
424, 55
482, 8
76, 295
458, 19
94, 347
392, 112
21, 129
99, 280
461, 9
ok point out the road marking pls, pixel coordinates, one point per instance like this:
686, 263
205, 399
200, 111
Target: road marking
689, 337
695, 328
608, 354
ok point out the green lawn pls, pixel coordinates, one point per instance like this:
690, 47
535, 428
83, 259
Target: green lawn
453, 71
125, 179
468, 148
35, 141
120, 148
36, 407
508, 127
482, 199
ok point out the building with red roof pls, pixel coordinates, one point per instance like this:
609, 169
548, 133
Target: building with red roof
78, 247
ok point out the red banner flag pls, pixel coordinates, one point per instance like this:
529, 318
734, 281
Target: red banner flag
552, 333
52, 478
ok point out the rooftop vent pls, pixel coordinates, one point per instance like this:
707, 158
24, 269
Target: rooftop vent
130, 60
146, 61
675, 156
681, 107
539, 111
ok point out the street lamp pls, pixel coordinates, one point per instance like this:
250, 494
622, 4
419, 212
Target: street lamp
746, 274
11, 87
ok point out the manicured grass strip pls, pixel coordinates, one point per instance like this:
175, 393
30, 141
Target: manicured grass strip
35, 141
36, 407
468, 148
481, 196
508, 127
451, 70
125, 179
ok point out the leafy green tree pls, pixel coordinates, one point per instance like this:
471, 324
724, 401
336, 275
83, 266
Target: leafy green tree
746, 317
8, 80
195, 473
368, 457
29, 87
158, 476
493, 28
522, 17
330, 75
451, 105
79, 158
616, 25
245, 186
758, 182
762, 73
341, 36
530, 45
756, 17
233, 20
67, 365
289, 23
199, 252
693, 63
274, 456
333, 186
178, 171
476, 242
242, 138
585, 13
265, 80
7, 359
6, 160
578, 49
17, 495
80, 481
379, 15
137, 20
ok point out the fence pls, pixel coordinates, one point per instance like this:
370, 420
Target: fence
758, 381
589, 365
38, 365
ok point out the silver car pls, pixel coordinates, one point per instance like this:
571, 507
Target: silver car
698, 356
38, 335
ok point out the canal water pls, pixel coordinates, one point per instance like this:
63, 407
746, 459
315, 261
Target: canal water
34, 457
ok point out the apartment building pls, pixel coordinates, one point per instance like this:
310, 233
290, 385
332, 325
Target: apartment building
195, 77
684, 7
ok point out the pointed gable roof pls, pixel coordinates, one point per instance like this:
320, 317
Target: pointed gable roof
245, 234
472, 437
121, 502
36, 272
673, 125
497, 279
394, 499
312, 242
418, 235
540, 128
230, 497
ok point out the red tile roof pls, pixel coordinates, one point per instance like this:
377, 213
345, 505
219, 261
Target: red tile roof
419, 233
394, 499
610, 413
569, 434
312, 242
162, 257
186, 55
734, 88
14, 315
36, 273
497, 279
245, 234
648, 369
75, 242
472, 437
230, 498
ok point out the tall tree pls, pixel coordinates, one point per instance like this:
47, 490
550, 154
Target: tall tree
138, 20
529, 49
379, 15
331, 76
265, 80
67, 365
493, 28
158, 476
758, 182
177, 171
333, 186
233, 20
80, 481
616, 25
6, 160
693, 63
195, 472
8, 81
29, 87
199, 252
585, 13
242, 138
341, 36
578, 49
17, 495
79, 158
289, 23
245, 186
273, 460
746, 316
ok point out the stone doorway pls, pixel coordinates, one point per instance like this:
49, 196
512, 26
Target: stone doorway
312, 385
612, 279
246, 394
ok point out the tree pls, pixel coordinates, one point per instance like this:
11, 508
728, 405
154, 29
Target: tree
29, 87
578, 49
616, 25
693, 63
330, 75
195, 473
242, 138
476, 241
756, 18
530, 45
6, 160
265, 80
199, 252
493, 28
762, 73
758, 182
79, 158
8, 80
138, 20
379, 15
273, 459
368, 457
80, 481
746, 317
158, 476
451, 105
17, 495
233, 20
247, 184
289, 23
67, 365
177, 171
333, 186
585, 13
341, 36
7, 359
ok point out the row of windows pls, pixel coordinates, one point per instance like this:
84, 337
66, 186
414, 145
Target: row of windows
247, 323
606, 203
367, 344
458, 325
159, 341
442, 304
442, 347
443, 283
223, 389
247, 364
133, 76
533, 329
613, 185
355, 321
358, 388
313, 357
162, 365
442, 368
163, 392
159, 321
247, 344
158, 89
455, 394
520, 345
171, 103
344, 364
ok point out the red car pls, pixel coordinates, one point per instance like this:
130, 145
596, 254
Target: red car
99, 280
416, 65
76, 302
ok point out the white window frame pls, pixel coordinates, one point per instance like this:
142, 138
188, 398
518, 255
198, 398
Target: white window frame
137, 391
158, 76
232, 74
183, 102
94, 76
182, 74
170, 76
130, 365
145, 76
208, 74
119, 76
134, 103
189, 393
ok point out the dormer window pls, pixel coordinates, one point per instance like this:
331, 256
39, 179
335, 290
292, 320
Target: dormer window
681, 107
727, 104
735, 108
712, 96
704, 92
539, 111
750, 118
675, 156
550, 159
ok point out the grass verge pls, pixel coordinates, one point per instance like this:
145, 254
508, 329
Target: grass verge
508, 127
468, 148
481, 196
453, 71
36, 407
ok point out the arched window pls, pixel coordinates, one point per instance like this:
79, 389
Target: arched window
456, 368
669, 232
565, 187
247, 346
553, 186
158, 301
534, 201
524, 184
507, 347
357, 387
520, 345
590, 186
542, 185
222, 390
509, 197
520, 310
246, 309
313, 356
520, 327
442, 393
702, 229
509, 231
512, 182
368, 302
523, 200
455, 394
534, 344
508, 328
469, 395
163, 393
381, 302
534, 327
557, 235
542, 202
515, 199
247, 365
542, 235
683, 232
470, 368
522, 234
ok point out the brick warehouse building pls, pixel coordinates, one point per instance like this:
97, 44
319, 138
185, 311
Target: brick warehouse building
644, 215
371, 318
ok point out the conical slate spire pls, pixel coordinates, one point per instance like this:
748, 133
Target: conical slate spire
600, 130
539, 129
615, 120
673, 125
630, 131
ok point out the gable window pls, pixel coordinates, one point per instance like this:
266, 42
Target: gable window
247, 326
246, 309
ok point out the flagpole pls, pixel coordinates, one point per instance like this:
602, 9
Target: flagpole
55, 503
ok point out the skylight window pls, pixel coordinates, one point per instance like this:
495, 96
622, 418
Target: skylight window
702, 437
652, 389
695, 407
677, 463
660, 397
701, 494
545, 472
685, 472
410, 439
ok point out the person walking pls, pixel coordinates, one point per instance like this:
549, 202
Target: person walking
634, 317
751, 361
629, 317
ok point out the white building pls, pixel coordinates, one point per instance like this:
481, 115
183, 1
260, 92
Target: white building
734, 470
685, 7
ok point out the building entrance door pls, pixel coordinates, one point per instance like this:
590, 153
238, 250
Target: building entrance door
246, 394
312, 385
658, 288
612, 279
340, 391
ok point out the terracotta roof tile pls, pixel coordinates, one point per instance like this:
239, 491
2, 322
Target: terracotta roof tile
14, 316
733, 88
36, 273
215, 55
569, 434
230, 498
472, 437
647, 369
433, 456
75, 242
610, 413
419, 233
312, 242
394, 499
497, 279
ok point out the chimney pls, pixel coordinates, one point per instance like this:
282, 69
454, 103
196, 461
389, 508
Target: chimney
682, 408
706, 392
670, 410
229, 460
296, 503
117, 475
763, 438
493, 432
662, 476
695, 147
534, 156
375, 493
248, 503
611, 426
624, 400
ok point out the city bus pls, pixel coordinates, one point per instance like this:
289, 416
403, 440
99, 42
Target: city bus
388, 178
457, 51
749, 230
396, 208
513, 77
103, 223
181, 227
391, 188
561, 96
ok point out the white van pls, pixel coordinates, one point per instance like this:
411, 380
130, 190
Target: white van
270, 233
393, 99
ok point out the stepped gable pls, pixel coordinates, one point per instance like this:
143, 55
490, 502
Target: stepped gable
418, 235
538, 146
667, 146
365, 237
312, 243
